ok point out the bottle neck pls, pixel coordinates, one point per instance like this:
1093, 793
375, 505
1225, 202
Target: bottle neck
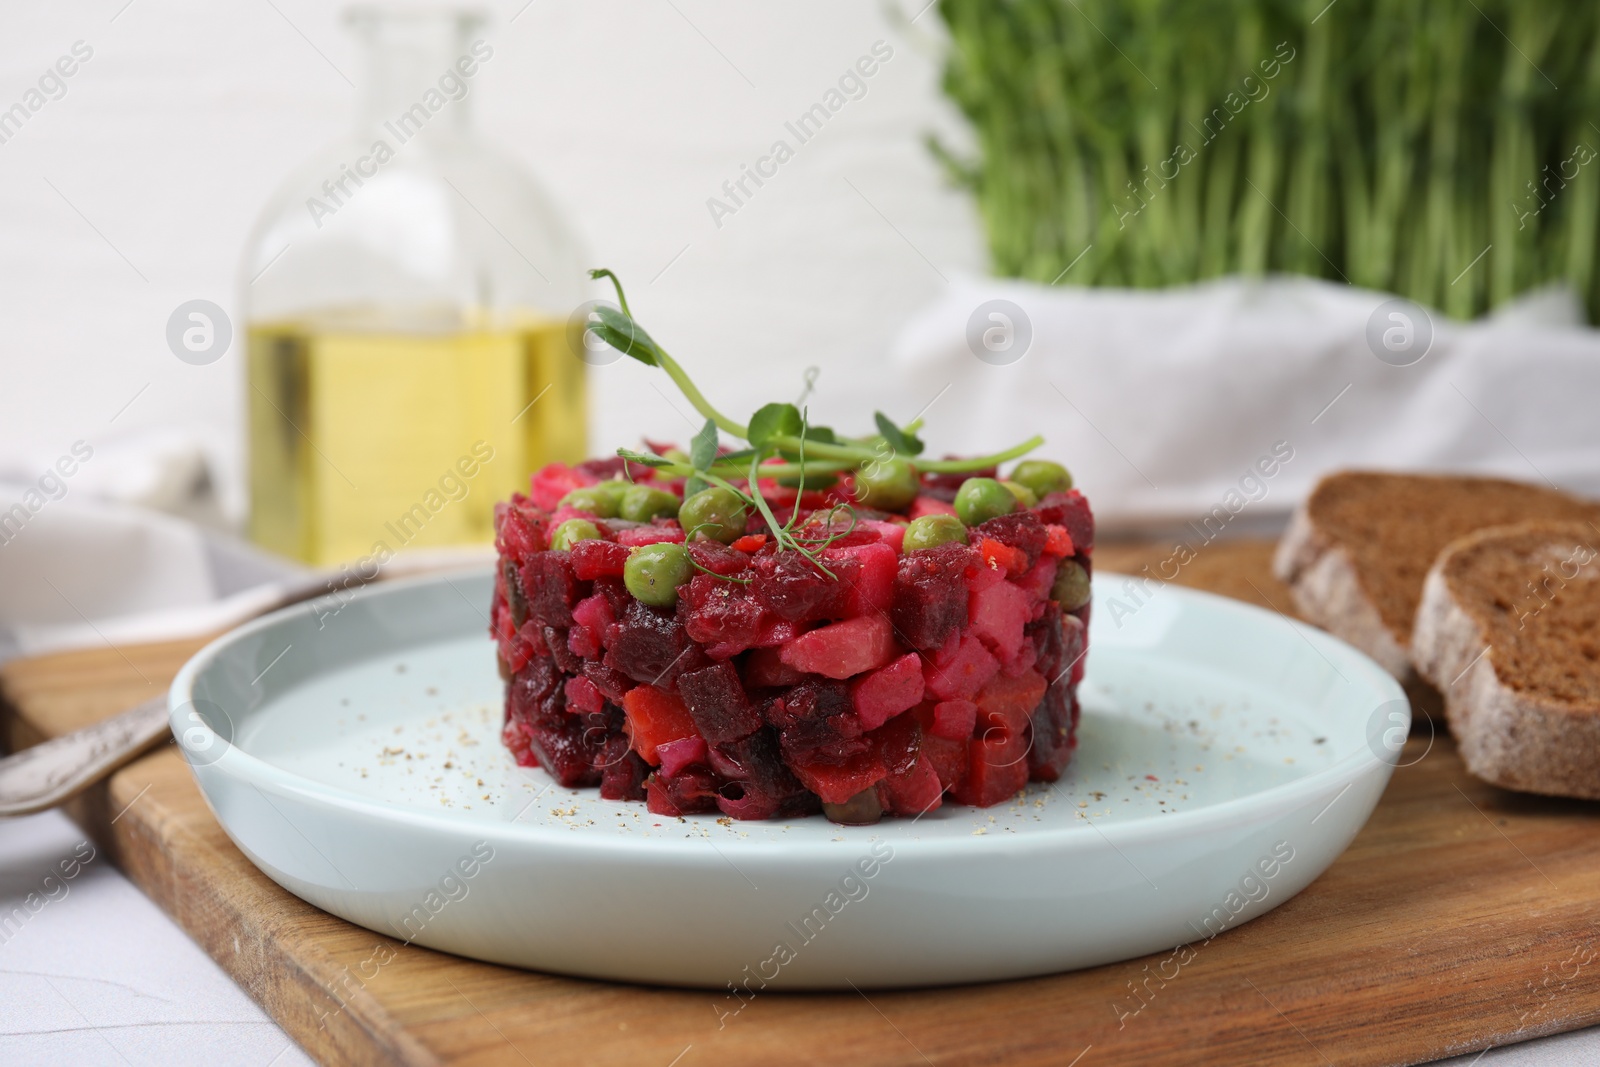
418, 73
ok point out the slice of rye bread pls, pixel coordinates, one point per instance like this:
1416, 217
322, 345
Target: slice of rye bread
1509, 630
1358, 548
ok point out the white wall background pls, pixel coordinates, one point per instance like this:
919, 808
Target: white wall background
136, 191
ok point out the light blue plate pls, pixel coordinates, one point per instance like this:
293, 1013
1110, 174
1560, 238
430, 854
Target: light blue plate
1227, 756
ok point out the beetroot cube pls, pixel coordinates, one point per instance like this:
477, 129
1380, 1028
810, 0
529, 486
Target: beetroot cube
961, 669
532, 684
716, 611
583, 642
551, 587
648, 645
1077, 637
583, 696
936, 481
596, 558
1036, 583
622, 772
718, 558
816, 722
949, 759
928, 504
523, 645
519, 532
954, 719
897, 743
1071, 510
772, 633
560, 648
892, 534
792, 587
1006, 703
764, 669
836, 783
886, 692
654, 534
1021, 530
555, 481
842, 649
679, 754
913, 792
613, 684
1054, 724
594, 611
997, 616
517, 736
872, 584
692, 791
757, 781
564, 744
717, 702
930, 595
997, 767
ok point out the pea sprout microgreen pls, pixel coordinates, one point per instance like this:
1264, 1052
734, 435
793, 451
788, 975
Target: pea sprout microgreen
782, 442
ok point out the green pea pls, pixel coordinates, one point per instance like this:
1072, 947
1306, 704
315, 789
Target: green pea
572, 531
981, 499
714, 513
597, 500
1071, 590
1024, 495
641, 503
889, 484
1042, 476
654, 572
933, 530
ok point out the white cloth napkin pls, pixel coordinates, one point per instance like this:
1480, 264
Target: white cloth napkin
1238, 394
81, 573
134, 544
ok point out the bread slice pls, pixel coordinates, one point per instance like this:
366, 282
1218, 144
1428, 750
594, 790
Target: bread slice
1509, 630
1357, 550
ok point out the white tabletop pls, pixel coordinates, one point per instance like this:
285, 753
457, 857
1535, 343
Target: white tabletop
92, 972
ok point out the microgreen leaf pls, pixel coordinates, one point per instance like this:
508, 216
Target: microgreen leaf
774, 420
905, 444
703, 449
822, 434
702, 453
617, 329
648, 459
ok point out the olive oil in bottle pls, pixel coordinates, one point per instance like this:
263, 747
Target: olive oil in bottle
361, 440
406, 296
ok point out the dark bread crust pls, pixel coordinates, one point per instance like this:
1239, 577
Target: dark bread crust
1359, 547
1509, 629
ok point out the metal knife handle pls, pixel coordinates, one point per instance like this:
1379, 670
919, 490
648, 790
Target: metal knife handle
53, 771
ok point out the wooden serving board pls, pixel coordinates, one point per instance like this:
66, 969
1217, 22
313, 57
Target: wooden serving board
1461, 917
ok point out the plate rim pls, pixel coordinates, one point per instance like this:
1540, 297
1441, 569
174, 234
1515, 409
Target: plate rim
1291, 795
